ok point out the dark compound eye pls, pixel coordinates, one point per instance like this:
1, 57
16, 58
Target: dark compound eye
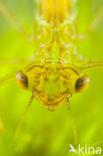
82, 83
22, 80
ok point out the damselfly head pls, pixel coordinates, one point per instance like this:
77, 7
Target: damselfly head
52, 82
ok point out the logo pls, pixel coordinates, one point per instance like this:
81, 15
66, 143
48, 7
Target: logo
84, 150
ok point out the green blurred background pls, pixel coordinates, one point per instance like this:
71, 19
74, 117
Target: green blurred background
45, 133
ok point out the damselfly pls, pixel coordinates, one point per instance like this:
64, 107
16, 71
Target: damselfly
56, 71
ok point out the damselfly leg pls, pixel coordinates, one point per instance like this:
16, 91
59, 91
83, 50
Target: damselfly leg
92, 26
10, 17
1, 126
72, 121
23, 116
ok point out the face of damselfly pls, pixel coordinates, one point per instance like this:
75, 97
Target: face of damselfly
52, 82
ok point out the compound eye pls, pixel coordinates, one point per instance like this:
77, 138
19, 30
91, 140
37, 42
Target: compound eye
82, 83
22, 80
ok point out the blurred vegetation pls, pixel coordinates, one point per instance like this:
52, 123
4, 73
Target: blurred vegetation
49, 133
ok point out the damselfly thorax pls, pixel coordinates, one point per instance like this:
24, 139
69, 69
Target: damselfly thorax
55, 32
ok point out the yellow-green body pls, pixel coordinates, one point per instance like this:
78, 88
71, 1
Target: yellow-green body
55, 71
